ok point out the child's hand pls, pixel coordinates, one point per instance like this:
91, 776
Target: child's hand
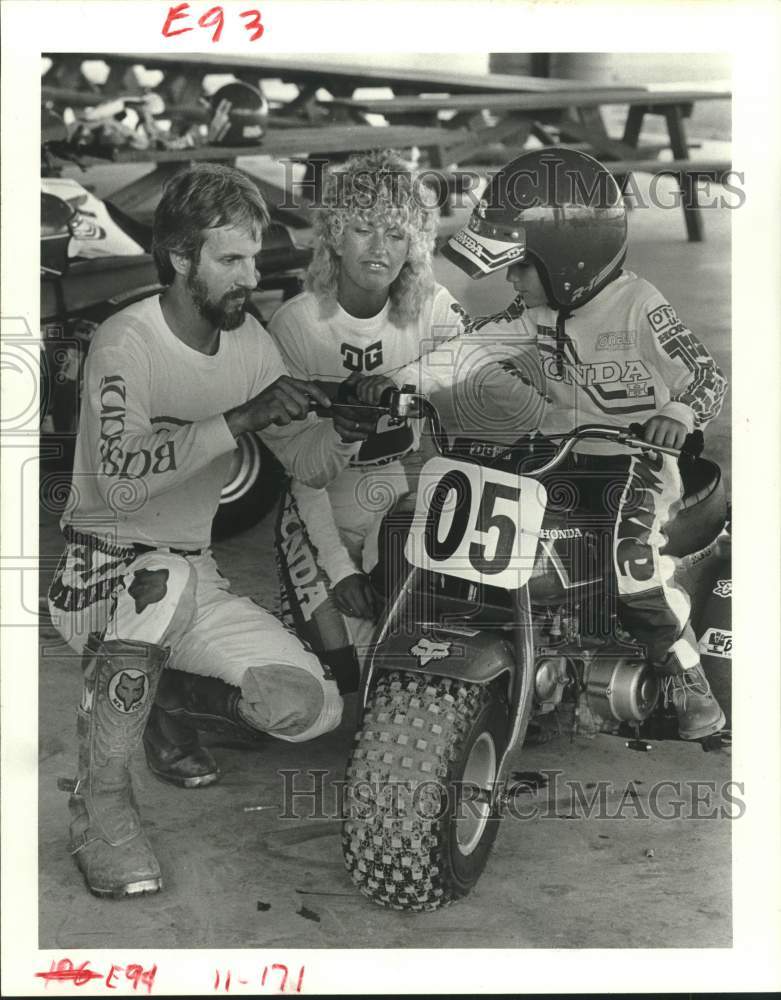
665, 431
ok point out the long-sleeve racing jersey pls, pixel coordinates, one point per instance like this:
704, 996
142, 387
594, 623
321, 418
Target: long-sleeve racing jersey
154, 450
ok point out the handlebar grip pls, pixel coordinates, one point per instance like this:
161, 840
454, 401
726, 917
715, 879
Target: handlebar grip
692, 446
344, 394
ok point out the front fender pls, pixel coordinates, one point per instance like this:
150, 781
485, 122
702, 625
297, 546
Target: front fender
471, 656
462, 654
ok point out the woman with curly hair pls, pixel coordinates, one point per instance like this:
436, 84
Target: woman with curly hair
371, 306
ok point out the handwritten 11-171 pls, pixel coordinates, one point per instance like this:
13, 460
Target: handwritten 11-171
275, 978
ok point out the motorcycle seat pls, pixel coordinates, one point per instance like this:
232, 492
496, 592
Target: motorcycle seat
703, 510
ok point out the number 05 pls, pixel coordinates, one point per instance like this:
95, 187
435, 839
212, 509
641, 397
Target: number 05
476, 523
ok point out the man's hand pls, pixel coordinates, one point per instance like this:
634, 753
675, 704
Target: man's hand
283, 401
352, 425
354, 596
665, 431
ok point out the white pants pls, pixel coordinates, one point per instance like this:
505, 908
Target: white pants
183, 602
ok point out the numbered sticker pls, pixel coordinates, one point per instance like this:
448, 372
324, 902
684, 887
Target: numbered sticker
475, 523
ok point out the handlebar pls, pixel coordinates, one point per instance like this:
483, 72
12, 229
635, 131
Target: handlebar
630, 437
406, 402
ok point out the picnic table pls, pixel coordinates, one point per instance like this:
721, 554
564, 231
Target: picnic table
288, 133
184, 74
457, 119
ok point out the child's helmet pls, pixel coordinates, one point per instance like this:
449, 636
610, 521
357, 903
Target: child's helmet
559, 207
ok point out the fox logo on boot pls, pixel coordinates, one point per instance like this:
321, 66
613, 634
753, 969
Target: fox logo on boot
425, 649
127, 690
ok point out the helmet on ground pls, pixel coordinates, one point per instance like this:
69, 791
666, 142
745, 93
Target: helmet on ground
57, 218
558, 207
246, 117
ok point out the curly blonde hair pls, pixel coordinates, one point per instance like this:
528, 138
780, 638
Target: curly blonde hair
379, 186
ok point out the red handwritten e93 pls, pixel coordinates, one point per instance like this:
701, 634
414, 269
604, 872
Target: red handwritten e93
214, 18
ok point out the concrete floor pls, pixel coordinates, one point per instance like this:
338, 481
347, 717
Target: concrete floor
249, 879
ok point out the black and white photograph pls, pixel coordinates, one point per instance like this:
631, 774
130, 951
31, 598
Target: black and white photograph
380, 423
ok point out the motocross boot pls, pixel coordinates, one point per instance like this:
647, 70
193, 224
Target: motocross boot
110, 847
174, 754
699, 714
206, 703
344, 668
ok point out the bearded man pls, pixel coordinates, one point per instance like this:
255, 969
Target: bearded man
170, 383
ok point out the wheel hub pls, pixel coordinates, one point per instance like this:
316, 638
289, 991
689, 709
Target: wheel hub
474, 807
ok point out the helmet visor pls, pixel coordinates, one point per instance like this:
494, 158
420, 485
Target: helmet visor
483, 246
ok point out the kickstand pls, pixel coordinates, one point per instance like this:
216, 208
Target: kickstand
636, 743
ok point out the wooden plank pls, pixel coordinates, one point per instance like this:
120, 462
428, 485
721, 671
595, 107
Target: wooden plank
302, 69
68, 97
142, 190
597, 140
581, 98
477, 140
300, 142
701, 168
676, 167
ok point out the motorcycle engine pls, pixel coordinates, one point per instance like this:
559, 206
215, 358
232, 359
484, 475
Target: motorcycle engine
621, 688
551, 677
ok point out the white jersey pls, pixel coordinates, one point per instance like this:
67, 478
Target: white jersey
331, 346
619, 359
154, 450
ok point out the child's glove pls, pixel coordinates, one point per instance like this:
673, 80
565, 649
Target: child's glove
665, 431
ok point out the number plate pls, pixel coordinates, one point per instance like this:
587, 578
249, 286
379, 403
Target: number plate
475, 523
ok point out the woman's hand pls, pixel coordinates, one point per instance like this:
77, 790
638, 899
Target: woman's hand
354, 596
368, 388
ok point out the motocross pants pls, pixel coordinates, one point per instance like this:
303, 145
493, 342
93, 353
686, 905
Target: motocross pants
307, 604
358, 500
637, 495
182, 601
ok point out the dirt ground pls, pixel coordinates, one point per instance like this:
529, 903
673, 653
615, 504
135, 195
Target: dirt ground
236, 876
